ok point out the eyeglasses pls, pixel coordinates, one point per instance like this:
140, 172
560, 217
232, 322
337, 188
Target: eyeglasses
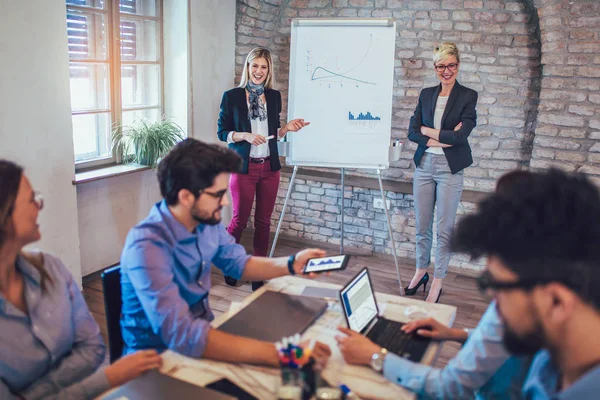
38, 199
488, 286
218, 195
441, 68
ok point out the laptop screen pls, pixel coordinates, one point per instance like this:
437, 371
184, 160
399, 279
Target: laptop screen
358, 302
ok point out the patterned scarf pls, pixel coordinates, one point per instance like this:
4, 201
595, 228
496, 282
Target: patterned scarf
257, 108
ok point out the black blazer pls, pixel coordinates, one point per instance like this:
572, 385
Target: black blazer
234, 117
460, 108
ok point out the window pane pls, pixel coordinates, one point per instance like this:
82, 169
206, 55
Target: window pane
139, 40
149, 115
91, 136
86, 33
89, 86
87, 3
139, 7
140, 85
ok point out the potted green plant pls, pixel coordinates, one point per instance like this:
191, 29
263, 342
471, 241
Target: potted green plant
145, 142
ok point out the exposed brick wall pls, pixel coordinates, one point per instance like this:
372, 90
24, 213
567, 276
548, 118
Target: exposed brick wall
314, 213
533, 62
568, 126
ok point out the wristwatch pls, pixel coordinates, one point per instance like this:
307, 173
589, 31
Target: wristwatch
377, 359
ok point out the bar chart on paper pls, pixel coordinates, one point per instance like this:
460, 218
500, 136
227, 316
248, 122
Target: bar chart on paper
341, 80
363, 122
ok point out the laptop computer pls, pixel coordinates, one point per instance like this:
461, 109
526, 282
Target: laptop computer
154, 385
362, 315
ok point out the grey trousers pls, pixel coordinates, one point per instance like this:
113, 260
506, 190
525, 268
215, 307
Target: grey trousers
434, 185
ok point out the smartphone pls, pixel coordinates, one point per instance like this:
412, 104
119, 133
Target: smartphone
331, 263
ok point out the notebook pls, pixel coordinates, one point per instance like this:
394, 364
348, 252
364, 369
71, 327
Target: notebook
156, 386
274, 315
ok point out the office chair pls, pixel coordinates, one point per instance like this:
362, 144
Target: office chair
111, 288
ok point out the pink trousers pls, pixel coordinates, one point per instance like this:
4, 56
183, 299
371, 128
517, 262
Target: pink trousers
263, 183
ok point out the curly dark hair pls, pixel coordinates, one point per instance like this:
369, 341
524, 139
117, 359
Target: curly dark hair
542, 225
193, 165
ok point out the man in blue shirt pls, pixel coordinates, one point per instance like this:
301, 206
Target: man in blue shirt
167, 259
541, 237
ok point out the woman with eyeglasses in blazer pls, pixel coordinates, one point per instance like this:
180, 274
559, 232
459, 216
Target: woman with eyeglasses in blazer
441, 125
249, 121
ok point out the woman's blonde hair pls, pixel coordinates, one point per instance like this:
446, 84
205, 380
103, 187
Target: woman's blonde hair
258, 52
445, 51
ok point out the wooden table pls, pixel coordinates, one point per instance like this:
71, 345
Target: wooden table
262, 382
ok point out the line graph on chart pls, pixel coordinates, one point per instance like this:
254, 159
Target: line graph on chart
329, 72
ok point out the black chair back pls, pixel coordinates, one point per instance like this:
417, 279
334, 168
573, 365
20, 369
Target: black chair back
111, 287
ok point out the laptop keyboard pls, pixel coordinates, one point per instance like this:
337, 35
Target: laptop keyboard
387, 334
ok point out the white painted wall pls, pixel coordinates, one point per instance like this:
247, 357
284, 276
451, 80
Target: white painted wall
212, 51
108, 208
213, 62
35, 115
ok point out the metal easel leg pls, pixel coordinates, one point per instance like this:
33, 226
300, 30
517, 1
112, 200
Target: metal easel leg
389, 224
342, 238
287, 197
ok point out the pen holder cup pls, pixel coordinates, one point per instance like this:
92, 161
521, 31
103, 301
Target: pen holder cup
395, 152
297, 383
283, 148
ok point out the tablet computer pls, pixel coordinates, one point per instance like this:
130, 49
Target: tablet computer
331, 263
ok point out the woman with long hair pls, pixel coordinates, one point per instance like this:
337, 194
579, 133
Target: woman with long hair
249, 122
50, 345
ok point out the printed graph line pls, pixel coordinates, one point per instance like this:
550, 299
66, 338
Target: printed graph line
363, 58
344, 74
334, 74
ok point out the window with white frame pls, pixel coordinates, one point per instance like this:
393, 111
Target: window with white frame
116, 71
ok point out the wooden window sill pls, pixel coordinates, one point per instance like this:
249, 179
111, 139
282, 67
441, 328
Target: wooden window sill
107, 172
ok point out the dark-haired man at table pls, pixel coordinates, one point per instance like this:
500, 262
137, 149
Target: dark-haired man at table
167, 259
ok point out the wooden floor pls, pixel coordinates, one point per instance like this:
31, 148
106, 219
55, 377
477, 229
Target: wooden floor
459, 291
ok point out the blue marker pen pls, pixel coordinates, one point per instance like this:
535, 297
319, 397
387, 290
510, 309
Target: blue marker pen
349, 394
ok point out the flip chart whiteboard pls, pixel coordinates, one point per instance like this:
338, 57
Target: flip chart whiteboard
341, 80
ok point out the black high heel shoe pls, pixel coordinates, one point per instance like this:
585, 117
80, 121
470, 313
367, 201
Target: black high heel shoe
411, 291
439, 294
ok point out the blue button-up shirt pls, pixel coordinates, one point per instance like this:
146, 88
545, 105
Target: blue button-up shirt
54, 350
542, 382
483, 368
165, 280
